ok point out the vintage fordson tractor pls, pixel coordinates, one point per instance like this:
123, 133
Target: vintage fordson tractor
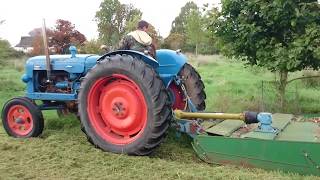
124, 99
125, 102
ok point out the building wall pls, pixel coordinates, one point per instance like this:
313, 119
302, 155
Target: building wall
24, 49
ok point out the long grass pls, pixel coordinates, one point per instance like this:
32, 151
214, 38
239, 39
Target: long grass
231, 86
62, 151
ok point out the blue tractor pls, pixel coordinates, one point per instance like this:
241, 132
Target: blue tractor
124, 99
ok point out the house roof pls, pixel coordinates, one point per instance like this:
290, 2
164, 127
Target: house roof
25, 41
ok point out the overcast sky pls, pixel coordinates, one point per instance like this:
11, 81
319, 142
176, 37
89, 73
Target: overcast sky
21, 16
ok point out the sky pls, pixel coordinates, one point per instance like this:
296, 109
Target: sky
22, 16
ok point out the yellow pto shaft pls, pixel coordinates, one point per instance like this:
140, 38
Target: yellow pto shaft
193, 115
248, 117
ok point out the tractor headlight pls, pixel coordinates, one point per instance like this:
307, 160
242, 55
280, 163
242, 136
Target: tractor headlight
25, 78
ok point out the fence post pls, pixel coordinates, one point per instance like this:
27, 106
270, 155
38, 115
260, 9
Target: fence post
262, 98
298, 109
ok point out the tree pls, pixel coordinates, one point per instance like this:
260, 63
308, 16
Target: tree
7, 52
112, 19
179, 23
156, 38
178, 28
91, 47
60, 38
174, 41
5, 49
36, 32
132, 23
192, 23
282, 35
65, 35
37, 43
194, 29
209, 44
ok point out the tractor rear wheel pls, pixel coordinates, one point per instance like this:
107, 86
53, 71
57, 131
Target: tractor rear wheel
124, 106
22, 118
194, 89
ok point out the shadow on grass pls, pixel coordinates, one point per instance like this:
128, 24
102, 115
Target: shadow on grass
54, 124
176, 148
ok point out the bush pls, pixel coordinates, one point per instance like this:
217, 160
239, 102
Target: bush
91, 47
7, 52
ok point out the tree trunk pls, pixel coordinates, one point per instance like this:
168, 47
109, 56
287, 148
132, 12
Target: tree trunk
282, 88
196, 49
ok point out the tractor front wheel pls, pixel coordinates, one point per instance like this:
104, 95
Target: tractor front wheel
194, 88
22, 118
124, 106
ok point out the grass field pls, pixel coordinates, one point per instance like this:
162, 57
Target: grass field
62, 152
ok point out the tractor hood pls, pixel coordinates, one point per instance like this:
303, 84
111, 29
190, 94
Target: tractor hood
67, 63
170, 64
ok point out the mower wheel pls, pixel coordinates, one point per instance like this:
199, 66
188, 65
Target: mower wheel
21, 118
124, 106
194, 88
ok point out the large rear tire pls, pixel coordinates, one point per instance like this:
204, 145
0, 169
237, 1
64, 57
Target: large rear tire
124, 106
194, 88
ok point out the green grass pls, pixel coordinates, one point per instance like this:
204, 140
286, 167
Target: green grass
232, 87
62, 151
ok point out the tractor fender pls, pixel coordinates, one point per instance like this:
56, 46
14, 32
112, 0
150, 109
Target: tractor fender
170, 64
147, 59
167, 64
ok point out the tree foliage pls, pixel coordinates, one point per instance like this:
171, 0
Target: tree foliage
37, 43
132, 23
60, 38
112, 19
156, 38
194, 29
36, 32
7, 52
65, 35
280, 35
174, 41
179, 34
179, 23
191, 28
91, 47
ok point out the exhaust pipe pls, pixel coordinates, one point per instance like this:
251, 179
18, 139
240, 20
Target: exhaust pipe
46, 50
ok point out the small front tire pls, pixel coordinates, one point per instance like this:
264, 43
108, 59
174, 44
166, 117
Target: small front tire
21, 118
194, 87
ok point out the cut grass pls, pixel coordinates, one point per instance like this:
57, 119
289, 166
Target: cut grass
65, 154
62, 151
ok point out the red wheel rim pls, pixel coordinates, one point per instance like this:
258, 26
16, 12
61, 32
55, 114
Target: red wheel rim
117, 109
177, 97
20, 120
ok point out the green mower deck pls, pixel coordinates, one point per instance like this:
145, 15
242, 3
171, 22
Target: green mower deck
295, 148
